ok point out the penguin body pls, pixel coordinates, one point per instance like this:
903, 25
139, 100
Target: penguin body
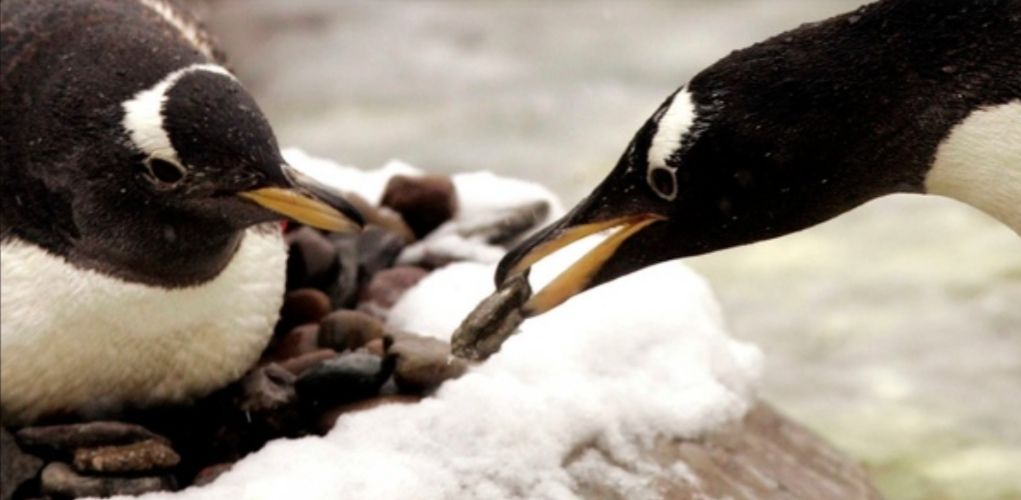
142, 259
899, 96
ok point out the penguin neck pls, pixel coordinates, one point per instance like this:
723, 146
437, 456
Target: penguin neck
979, 163
167, 255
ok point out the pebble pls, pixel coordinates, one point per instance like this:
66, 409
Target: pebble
505, 227
210, 473
384, 217
346, 330
378, 249
376, 347
350, 377
424, 202
16, 466
300, 340
311, 260
344, 289
492, 321
297, 365
422, 364
305, 305
329, 417
69, 437
60, 479
143, 456
267, 388
387, 286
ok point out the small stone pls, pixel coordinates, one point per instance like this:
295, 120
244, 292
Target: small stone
376, 347
59, 479
493, 321
344, 290
506, 226
69, 437
384, 217
345, 330
297, 365
305, 305
424, 202
143, 456
387, 286
267, 388
350, 377
329, 417
16, 466
210, 473
378, 249
311, 260
422, 364
300, 340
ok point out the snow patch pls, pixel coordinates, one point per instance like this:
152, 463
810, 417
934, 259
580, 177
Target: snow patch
644, 356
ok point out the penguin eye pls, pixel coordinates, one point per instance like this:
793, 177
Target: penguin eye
164, 172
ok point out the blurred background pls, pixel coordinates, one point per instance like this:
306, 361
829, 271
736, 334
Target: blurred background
894, 330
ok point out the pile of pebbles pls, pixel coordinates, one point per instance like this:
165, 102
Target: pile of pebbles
331, 354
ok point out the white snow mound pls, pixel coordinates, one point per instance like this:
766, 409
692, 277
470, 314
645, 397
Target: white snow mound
646, 355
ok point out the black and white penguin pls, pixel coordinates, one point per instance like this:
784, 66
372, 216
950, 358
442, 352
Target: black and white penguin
899, 96
142, 260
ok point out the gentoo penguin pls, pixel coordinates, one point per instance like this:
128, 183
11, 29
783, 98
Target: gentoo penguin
142, 257
899, 96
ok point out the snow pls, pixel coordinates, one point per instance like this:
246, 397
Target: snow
575, 394
368, 184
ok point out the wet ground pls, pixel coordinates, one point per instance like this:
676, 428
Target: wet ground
894, 330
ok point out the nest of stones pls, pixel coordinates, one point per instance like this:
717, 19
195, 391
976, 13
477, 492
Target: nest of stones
330, 354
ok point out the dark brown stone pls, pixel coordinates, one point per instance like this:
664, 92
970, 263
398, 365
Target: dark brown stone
300, 340
305, 305
69, 437
143, 456
299, 364
387, 286
378, 249
384, 217
16, 466
376, 347
423, 202
347, 330
311, 260
60, 479
267, 388
422, 364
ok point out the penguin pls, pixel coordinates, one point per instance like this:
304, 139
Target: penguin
898, 96
142, 256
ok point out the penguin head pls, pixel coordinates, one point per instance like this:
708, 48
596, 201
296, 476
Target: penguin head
197, 147
705, 172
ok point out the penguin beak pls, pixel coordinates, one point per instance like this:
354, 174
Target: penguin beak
580, 275
309, 202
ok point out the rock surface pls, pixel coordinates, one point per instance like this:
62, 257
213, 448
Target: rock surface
16, 466
422, 364
423, 202
143, 456
60, 479
765, 456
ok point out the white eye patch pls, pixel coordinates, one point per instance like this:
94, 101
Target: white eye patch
143, 114
672, 125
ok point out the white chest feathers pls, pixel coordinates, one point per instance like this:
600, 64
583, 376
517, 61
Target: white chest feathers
979, 163
75, 340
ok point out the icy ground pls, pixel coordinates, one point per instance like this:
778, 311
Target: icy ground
603, 370
893, 330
